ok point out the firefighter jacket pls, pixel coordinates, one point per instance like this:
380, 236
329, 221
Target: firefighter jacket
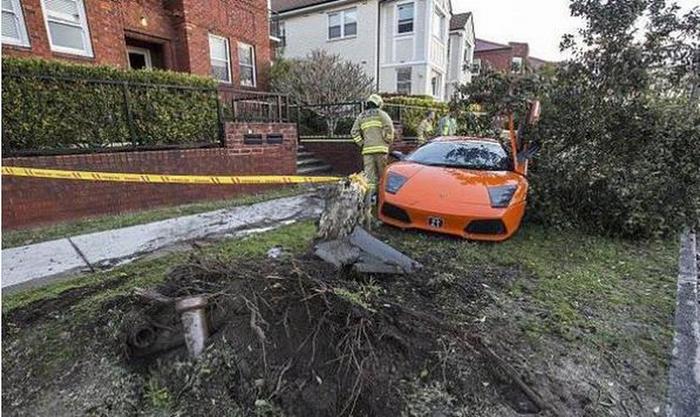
373, 131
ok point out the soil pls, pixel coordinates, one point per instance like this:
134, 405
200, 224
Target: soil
290, 337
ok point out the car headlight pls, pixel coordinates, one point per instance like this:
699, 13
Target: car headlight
500, 196
394, 182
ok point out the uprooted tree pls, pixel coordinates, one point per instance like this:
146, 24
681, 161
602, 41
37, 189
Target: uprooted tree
620, 132
323, 78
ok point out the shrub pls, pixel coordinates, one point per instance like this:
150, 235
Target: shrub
51, 105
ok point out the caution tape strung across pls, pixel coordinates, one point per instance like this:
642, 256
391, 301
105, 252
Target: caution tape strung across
163, 179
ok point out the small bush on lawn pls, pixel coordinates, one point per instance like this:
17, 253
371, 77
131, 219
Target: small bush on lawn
53, 113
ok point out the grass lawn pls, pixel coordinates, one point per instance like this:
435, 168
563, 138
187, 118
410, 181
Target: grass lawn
590, 315
14, 238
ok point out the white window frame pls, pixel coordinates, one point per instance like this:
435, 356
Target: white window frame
437, 93
251, 65
441, 20
18, 13
517, 60
341, 13
476, 63
83, 25
228, 56
140, 51
398, 18
410, 80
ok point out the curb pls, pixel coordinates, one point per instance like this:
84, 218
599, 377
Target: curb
683, 398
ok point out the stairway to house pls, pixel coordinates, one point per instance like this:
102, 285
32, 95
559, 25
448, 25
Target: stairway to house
308, 164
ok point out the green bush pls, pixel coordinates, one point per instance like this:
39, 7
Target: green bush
413, 110
43, 110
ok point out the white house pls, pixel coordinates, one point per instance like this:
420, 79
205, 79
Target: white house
461, 51
403, 44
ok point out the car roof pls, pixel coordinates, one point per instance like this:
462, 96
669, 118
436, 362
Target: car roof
464, 139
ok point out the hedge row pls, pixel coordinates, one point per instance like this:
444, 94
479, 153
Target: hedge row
57, 106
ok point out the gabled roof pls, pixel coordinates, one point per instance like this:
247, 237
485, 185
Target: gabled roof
459, 21
483, 45
280, 6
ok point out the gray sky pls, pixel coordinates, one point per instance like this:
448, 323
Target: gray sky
541, 23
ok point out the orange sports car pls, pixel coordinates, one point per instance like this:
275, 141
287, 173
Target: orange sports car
469, 187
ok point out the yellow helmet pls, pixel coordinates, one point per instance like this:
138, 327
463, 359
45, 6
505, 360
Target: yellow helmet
376, 99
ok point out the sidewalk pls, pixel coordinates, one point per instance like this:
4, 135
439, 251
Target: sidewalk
684, 374
36, 264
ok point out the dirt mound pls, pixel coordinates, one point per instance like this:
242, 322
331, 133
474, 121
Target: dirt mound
297, 338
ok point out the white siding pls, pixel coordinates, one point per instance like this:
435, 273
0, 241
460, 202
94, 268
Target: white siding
309, 31
461, 58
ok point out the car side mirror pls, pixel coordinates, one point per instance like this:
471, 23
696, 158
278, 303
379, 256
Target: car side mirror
398, 155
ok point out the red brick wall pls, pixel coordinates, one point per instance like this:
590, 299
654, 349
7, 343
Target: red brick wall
345, 157
180, 26
29, 201
497, 59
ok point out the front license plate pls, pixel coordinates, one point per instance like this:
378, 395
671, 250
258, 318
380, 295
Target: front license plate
436, 222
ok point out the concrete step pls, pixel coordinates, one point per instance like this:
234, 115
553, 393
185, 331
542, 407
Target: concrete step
304, 154
309, 161
314, 169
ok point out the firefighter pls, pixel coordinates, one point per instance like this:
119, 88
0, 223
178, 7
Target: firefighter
425, 127
373, 131
447, 126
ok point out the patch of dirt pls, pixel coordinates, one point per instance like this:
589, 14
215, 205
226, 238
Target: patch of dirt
291, 337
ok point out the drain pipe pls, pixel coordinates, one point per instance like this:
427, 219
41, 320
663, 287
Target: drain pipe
194, 323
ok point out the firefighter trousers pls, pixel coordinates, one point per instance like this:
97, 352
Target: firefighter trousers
374, 165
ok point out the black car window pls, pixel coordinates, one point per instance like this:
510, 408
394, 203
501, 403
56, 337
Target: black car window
480, 155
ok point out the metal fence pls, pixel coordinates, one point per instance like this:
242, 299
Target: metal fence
253, 106
46, 114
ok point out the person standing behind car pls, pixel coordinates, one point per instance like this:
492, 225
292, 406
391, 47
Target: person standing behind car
425, 128
448, 124
373, 131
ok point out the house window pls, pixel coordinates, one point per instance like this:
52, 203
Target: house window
405, 23
220, 58
66, 24
435, 84
403, 81
246, 61
342, 24
439, 25
14, 30
139, 58
476, 66
517, 64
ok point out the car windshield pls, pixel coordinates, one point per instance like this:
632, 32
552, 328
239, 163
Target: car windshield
481, 155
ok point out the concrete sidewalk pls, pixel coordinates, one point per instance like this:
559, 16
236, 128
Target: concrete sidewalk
684, 373
38, 263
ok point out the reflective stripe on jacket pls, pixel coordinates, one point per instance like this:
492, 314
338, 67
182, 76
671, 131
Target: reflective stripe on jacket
447, 126
425, 127
374, 131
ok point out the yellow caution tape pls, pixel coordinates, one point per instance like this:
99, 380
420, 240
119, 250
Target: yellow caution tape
163, 179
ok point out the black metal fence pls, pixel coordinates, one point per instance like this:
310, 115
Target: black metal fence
253, 106
334, 121
59, 115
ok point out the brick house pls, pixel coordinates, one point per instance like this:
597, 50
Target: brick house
227, 39
512, 57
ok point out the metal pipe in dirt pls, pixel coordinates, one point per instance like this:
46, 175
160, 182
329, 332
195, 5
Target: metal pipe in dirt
194, 323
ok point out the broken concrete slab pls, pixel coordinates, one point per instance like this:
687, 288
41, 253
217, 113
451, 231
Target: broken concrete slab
371, 245
338, 252
365, 254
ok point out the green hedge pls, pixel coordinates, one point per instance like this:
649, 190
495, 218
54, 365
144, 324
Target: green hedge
44, 110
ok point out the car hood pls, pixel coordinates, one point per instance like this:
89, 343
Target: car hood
450, 186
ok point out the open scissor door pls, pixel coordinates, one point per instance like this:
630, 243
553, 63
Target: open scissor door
521, 150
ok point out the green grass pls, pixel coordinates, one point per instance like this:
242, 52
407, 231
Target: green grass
607, 292
293, 238
16, 238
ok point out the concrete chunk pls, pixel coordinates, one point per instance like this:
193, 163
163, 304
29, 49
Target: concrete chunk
369, 244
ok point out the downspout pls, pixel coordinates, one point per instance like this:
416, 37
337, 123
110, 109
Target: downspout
379, 38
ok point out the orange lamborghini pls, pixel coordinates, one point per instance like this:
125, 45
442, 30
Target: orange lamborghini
469, 187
